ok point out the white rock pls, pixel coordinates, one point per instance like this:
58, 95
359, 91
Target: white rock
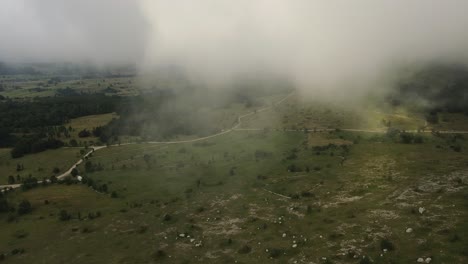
409, 230
421, 210
385, 250
284, 234
428, 260
420, 260
191, 240
182, 235
294, 245
324, 258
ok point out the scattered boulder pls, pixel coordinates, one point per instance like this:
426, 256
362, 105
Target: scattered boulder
409, 230
421, 210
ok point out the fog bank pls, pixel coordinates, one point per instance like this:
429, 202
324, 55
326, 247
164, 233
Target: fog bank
316, 44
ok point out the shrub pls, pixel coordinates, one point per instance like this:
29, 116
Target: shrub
159, 254
386, 244
24, 207
64, 215
275, 253
244, 250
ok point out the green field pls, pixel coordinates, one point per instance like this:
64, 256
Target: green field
37, 165
232, 198
88, 123
271, 194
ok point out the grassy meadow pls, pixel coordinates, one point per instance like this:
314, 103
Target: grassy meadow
237, 198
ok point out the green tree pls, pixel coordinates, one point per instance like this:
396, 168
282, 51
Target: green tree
64, 215
11, 179
24, 207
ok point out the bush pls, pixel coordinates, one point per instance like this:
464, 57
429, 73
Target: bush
159, 254
275, 253
244, 250
386, 244
167, 217
24, 207
64, 215
365, 260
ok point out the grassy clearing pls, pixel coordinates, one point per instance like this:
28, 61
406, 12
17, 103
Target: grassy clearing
38, 165
89, 123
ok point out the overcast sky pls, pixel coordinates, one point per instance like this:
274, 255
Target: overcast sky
309, 40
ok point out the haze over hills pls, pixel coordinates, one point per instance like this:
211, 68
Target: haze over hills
233, 132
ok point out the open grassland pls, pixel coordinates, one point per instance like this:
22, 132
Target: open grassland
452, 121
258, 196
87, 123
37, 165
298, 113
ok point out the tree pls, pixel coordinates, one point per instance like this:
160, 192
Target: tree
11, 179
24, 207
73, 143
64, 216
74, 172
89, 166
4, 205
407, 138
84, 133
53, 179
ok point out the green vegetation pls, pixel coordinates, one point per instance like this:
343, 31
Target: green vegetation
295, 182
39, 165
183, 200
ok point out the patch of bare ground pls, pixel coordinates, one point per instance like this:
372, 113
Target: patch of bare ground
379, 167
342, 199
294, 210
219, 202
385, 214
224, 227
263, 213
413, 195
351, 246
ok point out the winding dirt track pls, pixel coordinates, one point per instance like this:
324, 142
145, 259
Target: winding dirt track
234, 128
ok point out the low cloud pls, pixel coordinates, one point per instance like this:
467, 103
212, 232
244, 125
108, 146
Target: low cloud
316, 44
